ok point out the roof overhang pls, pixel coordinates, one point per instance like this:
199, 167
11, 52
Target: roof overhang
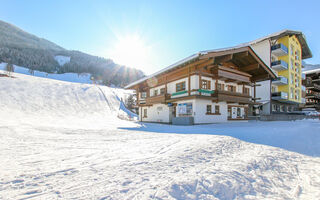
215, 54
306, 52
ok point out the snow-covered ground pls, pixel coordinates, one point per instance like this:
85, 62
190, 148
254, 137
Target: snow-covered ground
62, 140
70, 77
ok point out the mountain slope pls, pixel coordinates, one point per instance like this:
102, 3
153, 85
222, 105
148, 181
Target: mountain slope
23, 49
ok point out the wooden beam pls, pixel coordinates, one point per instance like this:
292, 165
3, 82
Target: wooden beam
250, 67
222, 59
261, 77
241, 54
221, 53
270, 72
234, 71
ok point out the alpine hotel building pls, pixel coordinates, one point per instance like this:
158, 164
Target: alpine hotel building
225, 84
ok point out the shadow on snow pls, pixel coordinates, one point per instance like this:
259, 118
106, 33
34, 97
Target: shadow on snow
298, 136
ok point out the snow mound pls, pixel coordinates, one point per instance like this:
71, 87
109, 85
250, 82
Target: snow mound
49, 101
62, 60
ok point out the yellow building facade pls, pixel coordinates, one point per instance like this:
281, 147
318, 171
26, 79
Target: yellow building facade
292, 73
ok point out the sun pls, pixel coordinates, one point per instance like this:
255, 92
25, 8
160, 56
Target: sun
131, 51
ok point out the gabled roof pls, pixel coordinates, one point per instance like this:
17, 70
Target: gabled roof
306, 53
197, 56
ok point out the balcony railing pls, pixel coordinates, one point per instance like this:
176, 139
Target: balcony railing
313, 86
281, 80
312, 94
157, 99
279, 96
279, 65
228, 96
279, 49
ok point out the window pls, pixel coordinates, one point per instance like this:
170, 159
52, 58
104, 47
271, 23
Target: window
291, 78
274, 107
145, 113
217, 109
143, 95
231, 88
206, 84
220, 86
289, 109
185, 109
246, 91
292, 64
292, 50
291, 93
155, 92
181, 86
209, 108
162, 91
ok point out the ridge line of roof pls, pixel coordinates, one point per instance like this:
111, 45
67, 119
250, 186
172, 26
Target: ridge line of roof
193, 56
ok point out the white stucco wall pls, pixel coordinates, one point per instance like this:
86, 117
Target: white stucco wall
156, 113
200, 109
263, 91
263, 50
194, 82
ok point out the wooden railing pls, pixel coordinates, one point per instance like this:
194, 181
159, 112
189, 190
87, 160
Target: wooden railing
157, 99
221, 95
229, 96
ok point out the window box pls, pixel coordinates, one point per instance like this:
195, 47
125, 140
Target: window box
178, 93
206, 91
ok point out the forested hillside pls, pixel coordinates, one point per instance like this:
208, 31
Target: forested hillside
21, 48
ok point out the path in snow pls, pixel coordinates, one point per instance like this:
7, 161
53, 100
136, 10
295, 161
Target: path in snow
63, 141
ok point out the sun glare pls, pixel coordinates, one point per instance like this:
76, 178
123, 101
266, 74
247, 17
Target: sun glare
131, 51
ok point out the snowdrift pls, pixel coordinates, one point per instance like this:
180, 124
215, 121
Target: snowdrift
45, 101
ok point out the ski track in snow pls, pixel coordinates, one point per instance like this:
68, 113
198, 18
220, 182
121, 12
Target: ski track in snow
63, 140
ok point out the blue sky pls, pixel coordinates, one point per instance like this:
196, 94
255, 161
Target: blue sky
163, 31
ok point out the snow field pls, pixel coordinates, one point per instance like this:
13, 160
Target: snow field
63, 140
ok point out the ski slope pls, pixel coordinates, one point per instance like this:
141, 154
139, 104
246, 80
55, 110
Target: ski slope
61, 140
70, 77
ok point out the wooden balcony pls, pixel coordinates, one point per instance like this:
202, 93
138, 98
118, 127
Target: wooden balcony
157, 99
232, 97
225, 73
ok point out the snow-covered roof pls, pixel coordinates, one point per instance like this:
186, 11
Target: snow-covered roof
306, 52
312, 71
192, 57
247, 44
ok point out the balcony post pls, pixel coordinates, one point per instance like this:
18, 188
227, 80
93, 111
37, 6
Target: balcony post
189, 81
